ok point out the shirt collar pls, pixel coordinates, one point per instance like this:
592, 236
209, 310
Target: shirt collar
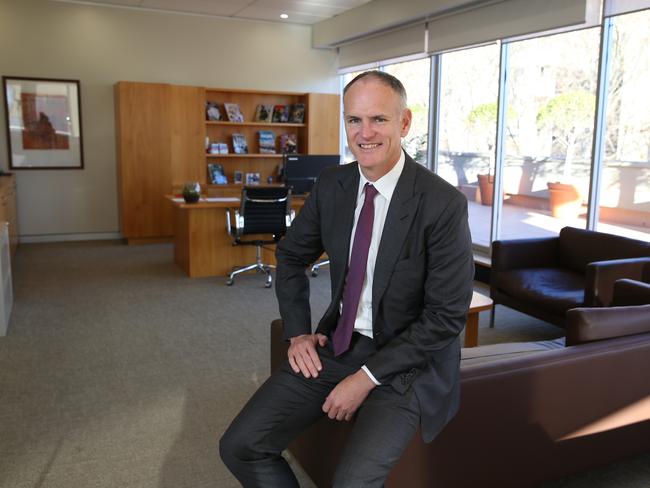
387, 183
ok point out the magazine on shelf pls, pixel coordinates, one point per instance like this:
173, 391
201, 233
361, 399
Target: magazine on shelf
264, 113
297, 113
217, 174
239, 145
233, 112
212, 111
267, 142
280, 113
289, 143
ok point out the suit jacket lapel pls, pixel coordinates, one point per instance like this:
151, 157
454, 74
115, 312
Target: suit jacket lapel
402, 210
349, 185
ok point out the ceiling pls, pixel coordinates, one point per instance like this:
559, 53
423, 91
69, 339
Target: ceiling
299, 11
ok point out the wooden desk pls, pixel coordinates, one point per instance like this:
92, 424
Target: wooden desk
202, 245
479, 304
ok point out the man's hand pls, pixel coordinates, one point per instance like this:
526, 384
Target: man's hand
302, 354
347, 396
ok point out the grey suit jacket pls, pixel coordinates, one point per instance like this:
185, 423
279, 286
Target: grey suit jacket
422, 283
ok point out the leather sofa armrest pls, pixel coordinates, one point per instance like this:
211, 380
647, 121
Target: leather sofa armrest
278, 345
595, 324
601, 275
524, 253
631, 292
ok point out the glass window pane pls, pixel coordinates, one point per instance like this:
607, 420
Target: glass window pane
468, 108
625, 189
415, 75
549, 128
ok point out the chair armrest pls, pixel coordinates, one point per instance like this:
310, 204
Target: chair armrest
601, 275
524, 253
595, 324
631, 292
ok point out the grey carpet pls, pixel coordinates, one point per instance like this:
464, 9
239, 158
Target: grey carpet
119, 371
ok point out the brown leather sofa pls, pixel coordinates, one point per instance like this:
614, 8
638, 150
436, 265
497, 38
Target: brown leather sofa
529, 412
545, 277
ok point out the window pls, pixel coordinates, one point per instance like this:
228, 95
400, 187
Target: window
468, 108
551, 103
625, 181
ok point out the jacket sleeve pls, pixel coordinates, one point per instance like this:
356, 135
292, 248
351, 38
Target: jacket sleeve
447, 293
301, 246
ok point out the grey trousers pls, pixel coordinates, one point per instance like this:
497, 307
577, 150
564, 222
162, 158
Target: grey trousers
287, 403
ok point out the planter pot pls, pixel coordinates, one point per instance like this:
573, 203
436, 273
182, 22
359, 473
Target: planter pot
486, 187
565, 201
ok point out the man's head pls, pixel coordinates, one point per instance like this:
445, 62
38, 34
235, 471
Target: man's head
376, 119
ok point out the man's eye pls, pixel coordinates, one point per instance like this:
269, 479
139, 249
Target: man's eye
380, 119
353, 121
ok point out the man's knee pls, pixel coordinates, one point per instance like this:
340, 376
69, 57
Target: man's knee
234, 447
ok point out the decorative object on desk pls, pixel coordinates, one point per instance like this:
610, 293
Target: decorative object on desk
43, 118
267, 142
289, 143
217, 174
264, 113
280, 113
212, 111
191, 191
239, 178
252, 178
297, 113
239, 144
233, 112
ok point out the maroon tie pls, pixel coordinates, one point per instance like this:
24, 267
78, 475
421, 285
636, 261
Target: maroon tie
356, 273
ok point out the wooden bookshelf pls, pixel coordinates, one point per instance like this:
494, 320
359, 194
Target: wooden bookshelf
161, 139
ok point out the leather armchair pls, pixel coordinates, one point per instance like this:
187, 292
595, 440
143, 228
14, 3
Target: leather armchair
545, 277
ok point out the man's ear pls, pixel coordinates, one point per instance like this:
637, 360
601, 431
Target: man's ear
407, 117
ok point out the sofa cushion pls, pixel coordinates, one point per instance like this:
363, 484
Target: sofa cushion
492, 352
596, 324
555, 289
579, 247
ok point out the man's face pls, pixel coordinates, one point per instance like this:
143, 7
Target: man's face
374, 123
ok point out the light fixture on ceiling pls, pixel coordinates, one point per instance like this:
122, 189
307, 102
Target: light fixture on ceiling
284, 16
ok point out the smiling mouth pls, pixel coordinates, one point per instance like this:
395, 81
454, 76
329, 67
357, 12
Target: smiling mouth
369, 146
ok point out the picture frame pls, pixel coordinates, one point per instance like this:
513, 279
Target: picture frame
239, 177
252, 178
43, 120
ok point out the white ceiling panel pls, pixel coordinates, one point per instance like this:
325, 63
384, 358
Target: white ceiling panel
299, 11
225, 8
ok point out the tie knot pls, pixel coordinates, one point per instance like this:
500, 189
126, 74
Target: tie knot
371, 191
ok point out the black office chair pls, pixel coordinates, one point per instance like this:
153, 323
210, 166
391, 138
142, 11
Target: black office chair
263, 210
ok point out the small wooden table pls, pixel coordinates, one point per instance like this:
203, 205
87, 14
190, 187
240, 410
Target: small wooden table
479, 304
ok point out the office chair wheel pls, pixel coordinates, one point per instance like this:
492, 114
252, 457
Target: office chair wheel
267, 284
314, 273
229, 282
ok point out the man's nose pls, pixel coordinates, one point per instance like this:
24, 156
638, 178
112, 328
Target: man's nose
367, 131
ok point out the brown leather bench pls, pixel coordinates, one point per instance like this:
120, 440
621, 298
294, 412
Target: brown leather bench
528, 413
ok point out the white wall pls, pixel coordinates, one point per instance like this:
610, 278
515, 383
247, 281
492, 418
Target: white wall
100, 46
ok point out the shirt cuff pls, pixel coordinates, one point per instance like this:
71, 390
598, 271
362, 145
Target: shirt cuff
372, 378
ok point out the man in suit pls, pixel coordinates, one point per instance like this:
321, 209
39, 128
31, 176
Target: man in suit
386, 350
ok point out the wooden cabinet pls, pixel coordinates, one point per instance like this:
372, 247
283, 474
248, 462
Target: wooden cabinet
161, 137
8, 209
158, 133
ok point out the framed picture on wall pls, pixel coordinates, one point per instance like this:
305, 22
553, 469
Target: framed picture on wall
43, 118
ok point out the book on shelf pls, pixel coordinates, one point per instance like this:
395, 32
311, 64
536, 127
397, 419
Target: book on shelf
218, 148
289, 143
217, 174
264, 113
297, 114
212, 111
267, 142
233, 112
239, 145
280, 113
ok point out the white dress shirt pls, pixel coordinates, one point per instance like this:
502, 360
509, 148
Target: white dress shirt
385, 187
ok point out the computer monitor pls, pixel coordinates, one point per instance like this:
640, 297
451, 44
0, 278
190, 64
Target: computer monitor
301, 170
